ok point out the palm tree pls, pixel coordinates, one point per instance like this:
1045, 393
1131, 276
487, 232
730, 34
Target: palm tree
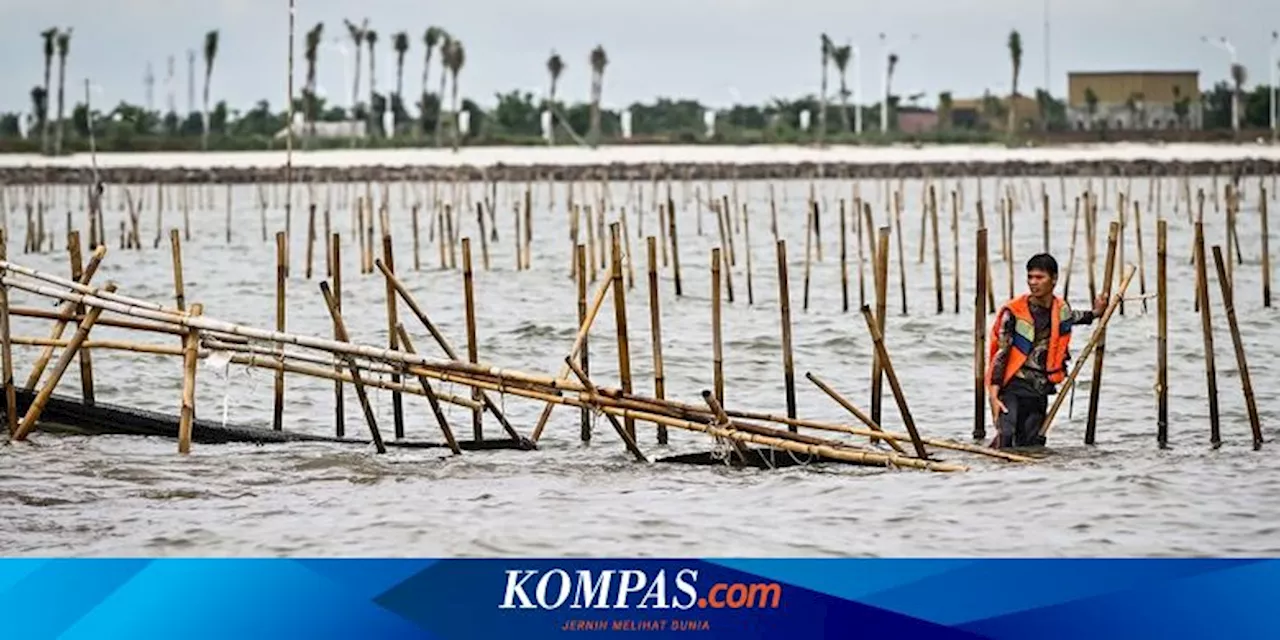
431, 38
400, 42
555, 67
826, 47
1015, 56
446, 42
356, 32
371, 38
39, 105
1238, 77
210, 54
841, 56
64, 46
43, 116
888, 84
1091, 105
454, 57
314, 36
599, 60
1181, 105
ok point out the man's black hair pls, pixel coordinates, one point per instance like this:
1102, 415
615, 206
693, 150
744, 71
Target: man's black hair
1043, 262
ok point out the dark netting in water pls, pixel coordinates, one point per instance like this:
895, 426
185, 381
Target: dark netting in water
65, 414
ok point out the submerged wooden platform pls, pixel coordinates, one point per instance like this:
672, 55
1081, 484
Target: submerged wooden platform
69, 415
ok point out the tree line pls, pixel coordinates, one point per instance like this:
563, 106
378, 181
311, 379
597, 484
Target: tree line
516, 117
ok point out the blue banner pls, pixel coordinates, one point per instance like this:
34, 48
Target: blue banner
529, 599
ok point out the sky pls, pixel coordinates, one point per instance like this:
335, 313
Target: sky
718, 51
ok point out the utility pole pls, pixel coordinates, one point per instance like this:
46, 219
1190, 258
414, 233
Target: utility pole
168, 84
1046, 51
191, 81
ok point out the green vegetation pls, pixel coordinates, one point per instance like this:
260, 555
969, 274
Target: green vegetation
435, 117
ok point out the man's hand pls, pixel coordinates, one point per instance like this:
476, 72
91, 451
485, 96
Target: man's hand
1099, 306
997, 407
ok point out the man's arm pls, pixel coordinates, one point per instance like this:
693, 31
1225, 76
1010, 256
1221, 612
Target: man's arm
1087, 317
1004, 340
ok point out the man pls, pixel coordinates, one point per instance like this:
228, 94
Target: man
1029, 353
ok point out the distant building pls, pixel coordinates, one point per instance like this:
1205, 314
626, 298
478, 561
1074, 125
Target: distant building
1134, 100
916, 120
992, 113
344, 129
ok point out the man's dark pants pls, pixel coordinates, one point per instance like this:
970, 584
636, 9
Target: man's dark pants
1019, 425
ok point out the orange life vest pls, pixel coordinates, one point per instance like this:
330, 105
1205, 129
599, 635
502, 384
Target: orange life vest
1024, 336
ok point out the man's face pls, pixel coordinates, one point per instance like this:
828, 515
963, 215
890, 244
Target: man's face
1040, 283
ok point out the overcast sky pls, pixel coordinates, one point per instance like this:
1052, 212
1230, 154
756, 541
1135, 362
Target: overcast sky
718, 51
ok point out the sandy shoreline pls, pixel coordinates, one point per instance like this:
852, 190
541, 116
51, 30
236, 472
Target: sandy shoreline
648, 162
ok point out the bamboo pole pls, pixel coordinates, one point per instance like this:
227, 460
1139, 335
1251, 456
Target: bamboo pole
1202, 296
746, 246
430, 394
6, 349
191, 345
397, 400
1071, 254
937, 249
484, 238
980, 336
902, 256
655, 330
808, 254
338, 396
469, 302
444, 345
620, 319
179, 292
277, 416
726, 233
340, 328
311, 238
1088, 349
784, 298
844, 261
1162, 335
86, 359
722, 420
626, 435
1266, 249
851, 408
955, 256
1228, 302
675, 244
881, 272
585, 352
878, 340
1095, 383
1044, 198
66, 310
28, 422
1142, 261
717, 356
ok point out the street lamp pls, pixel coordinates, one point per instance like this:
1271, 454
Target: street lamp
1225, 45
884, 104
1274, 65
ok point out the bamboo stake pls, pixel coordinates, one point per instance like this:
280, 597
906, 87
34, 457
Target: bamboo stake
726, 232
585, 353
857, 413
469, 301
1162, 335
484, 240
1266, 250
311, 238
626, 435
746, 246
28, 422
178, 289
878, 339
675, 243
626, 245
6, 350
1084, 355
620, 318
444, 345
881, 272
1095, 383
717, 357
1228, 302
655, 329
338, 396
430, 395
937, 249
397, 400
191, 344
844, 261
722, 420
1142, 261
784, 298
64, 312
955, 256
980, 336
277, 419
858, 227
902, 256
86, 359
1071, 255
808, 252
1044, 198
340, 328
1202, 295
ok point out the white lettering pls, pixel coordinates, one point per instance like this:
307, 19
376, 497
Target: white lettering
686, 587
515, 589
587, 590
657, 591
541, 592
633, 581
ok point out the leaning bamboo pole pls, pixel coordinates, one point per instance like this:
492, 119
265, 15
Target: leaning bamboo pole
341, 331
1095, 383
65, 311
28, 422
1211, 371
1228, 303
882, 353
